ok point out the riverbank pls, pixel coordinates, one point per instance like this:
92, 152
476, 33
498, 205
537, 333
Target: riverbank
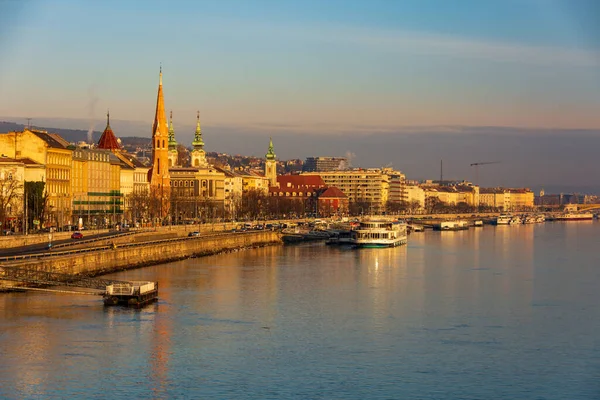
137, 255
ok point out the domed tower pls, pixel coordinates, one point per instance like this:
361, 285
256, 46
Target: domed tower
271, 165
198, 154
173, 155
160, 181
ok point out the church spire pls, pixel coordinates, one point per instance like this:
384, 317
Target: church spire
271, 152
160, 120
172, 141
198, 142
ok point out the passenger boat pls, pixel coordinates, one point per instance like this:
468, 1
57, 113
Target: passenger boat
379, 234
478, 223
574, 217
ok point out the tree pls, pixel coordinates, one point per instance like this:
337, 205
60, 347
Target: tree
11, 191
37, 203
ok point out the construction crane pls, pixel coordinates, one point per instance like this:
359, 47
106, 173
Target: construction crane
477, 164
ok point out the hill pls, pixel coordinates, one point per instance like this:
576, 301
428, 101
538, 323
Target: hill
74, 135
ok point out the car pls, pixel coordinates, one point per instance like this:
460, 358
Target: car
77, 235
196, 233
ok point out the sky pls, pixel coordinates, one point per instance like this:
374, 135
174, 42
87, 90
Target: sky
336, 69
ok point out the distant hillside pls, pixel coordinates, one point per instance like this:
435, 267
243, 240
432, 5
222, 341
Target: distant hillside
74, 135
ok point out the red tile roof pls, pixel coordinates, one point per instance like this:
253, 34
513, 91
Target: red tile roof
332, 193
108, 140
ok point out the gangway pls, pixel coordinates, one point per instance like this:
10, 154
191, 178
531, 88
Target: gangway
114, 291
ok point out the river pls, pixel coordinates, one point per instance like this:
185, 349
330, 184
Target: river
509, 312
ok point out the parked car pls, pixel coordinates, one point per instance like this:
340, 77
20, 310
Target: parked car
195, 233
77, 235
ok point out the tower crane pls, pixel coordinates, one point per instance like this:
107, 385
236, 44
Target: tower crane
477, 164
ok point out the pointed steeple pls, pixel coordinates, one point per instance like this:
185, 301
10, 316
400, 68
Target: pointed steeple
198, 142
108, 140
271, 152
160, 117
172, 141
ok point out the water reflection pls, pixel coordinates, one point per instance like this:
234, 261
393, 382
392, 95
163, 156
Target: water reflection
314, 321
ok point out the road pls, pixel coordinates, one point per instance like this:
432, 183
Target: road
43, 247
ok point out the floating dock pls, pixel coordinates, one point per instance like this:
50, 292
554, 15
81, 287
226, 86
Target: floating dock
131, 294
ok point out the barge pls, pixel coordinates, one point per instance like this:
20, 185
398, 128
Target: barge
131, 294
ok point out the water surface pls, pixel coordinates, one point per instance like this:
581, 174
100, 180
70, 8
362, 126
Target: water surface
499, 312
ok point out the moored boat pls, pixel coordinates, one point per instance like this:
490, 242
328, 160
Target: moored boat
574, 217
379, 234
503, 219
458, 225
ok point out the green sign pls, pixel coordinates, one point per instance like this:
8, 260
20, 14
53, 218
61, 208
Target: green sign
36, 221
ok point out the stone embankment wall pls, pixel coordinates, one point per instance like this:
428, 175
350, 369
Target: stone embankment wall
26, 240
121, 258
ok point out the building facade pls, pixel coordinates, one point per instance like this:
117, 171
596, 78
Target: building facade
324, 164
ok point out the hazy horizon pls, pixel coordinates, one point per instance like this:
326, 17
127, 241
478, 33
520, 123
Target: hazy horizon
554, 160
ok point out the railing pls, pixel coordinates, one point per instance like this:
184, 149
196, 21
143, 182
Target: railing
108, 247
32, 276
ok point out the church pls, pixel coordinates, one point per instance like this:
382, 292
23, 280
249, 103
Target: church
194, 189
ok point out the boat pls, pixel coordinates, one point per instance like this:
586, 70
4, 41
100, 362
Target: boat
457, 225
131, 294
340, 238
574, 217
478, 223
415, 228
379, 234
503, 219
516, 220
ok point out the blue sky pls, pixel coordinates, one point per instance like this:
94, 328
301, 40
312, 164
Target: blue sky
331, 66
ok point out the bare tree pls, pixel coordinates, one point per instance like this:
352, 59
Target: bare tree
11, 192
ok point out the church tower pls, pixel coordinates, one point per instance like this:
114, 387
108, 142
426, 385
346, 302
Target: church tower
271, 165
160, 181
198, 154
173, 155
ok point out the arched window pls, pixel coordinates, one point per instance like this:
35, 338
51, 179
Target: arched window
196, 163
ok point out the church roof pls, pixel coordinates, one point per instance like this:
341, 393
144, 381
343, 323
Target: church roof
108, 140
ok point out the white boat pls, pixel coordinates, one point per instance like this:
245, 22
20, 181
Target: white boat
516, 220
379, 234
458, 225
529, 219
503, 219
575, 217
478, 223
415, 228
540, 218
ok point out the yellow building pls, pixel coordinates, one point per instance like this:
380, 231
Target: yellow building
368, 187
49, 150
96, 183
453, 195
507, 199
253, 181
